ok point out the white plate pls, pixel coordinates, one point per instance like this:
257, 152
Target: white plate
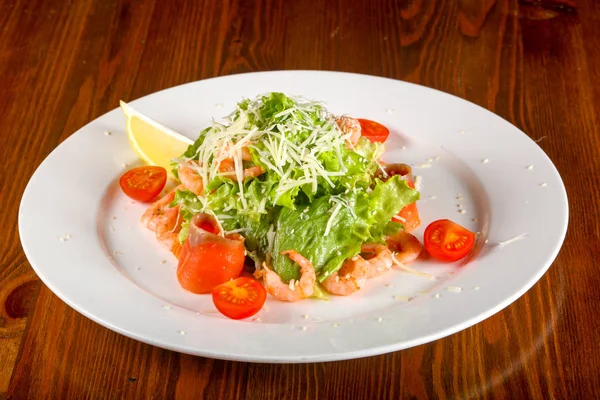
84, 239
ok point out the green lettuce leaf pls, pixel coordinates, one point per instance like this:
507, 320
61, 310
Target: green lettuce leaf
393, 228
255, 231
386, 200
365, 220
190, 204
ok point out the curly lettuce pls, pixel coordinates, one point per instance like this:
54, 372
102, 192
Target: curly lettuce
365, 219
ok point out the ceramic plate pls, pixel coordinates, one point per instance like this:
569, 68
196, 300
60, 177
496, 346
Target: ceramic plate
84, 239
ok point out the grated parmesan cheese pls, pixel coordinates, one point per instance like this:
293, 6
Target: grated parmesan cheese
422, 165
280, 153
513, 239
399, 218
345, 203
334, 212
418, 182
410, 270
270, 238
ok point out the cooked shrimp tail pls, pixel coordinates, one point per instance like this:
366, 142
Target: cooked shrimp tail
381, 261
190, 178
351, 128
165, 221
227, 168
294, 290
349, 278
405, 246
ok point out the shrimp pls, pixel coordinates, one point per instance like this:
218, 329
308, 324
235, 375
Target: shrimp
405, 246
253, 171
246, 155
227, 168
381, 262
351, 128
191, 179
165, 221
161, 218
349, 279
295, 290
226, 151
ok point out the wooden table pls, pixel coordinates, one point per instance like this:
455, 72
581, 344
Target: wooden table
63, 64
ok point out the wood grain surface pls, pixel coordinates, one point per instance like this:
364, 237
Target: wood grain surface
536, 63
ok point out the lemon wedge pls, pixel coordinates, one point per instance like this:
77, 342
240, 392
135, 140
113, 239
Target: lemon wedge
154, 143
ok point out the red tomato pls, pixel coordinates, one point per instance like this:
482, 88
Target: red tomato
448, 241
143, 183
209, 264
239, 298
373, 131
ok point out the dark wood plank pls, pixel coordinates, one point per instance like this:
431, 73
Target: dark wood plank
535, 63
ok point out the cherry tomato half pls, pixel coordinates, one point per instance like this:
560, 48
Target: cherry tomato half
448, 241
143, 183
373, 131
239, 298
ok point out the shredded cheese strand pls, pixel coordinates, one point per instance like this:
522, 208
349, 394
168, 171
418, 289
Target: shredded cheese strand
514, 239
334, 212
410, 270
